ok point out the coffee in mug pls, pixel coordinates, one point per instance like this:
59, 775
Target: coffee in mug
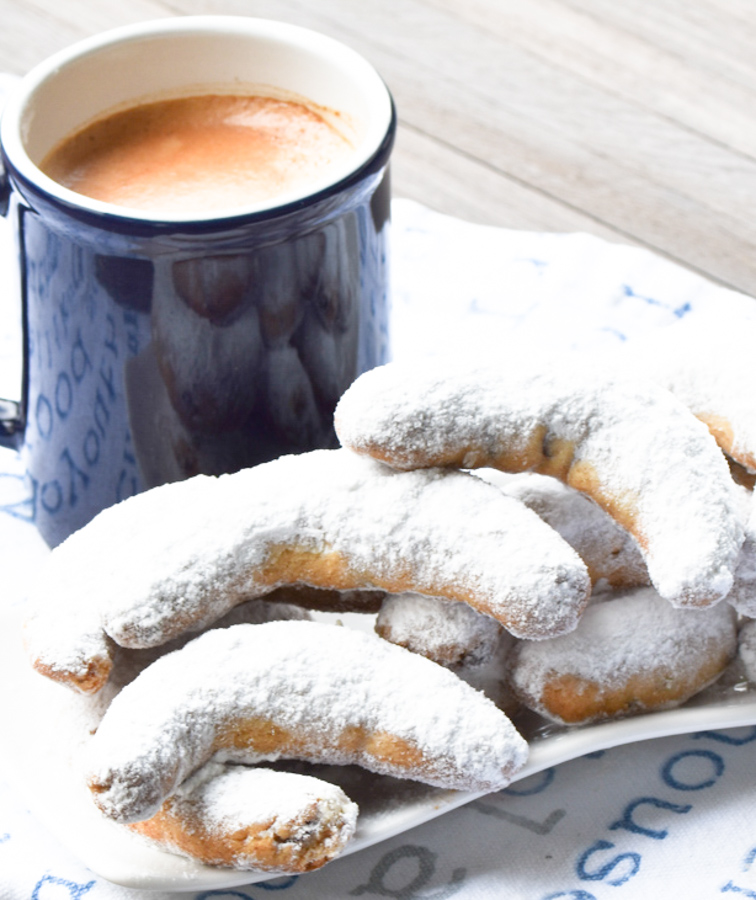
206, 152
161, 343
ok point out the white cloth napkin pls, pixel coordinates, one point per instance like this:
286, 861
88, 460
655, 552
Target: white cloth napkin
670, 817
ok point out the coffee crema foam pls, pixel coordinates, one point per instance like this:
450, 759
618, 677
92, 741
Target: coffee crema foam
197, 154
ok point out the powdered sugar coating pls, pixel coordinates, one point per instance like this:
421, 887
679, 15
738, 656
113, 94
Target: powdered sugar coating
233, 794
448, 633
323, 693
176, 558
627, 443
628, 654
254, 819
610, 552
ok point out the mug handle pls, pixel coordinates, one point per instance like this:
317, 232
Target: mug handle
11, 424
11, 417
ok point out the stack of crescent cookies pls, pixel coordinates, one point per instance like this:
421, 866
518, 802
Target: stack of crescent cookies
567, 540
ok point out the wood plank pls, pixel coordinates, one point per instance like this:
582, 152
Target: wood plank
297, 12
28, 36
34, 30
91, 18
716, 36
621, 62
508, 86
442, 178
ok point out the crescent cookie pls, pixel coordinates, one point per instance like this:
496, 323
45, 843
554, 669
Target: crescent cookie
610, 553
302, 690
177, 557
628, 655
253, 819
629, 445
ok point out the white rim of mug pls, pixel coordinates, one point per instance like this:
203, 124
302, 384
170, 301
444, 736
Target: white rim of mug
12, 143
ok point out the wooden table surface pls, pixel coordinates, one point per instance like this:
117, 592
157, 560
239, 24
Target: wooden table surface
633, 120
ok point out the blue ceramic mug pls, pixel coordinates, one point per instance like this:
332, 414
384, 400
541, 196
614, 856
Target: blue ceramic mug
157, 346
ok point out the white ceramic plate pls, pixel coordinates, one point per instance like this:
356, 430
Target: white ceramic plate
40, 749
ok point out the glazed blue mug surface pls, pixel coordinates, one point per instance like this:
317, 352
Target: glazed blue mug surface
156, 347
